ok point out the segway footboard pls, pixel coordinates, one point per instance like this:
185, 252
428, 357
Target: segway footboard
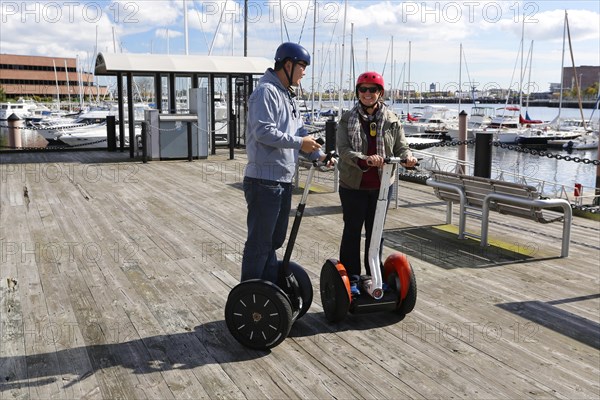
366, 304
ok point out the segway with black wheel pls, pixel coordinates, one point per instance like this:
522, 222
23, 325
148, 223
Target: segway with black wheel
400, 292
259, 314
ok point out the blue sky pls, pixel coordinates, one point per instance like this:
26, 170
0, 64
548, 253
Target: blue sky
489, 31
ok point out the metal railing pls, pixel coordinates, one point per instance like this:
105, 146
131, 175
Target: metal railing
546, 188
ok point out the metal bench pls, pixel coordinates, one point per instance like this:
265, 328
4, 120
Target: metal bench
478, 196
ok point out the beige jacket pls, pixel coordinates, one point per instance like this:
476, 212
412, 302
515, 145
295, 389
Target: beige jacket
395, 145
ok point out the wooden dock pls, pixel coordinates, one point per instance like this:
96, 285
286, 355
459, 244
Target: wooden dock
114, 276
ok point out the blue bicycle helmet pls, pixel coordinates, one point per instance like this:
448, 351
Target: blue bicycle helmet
292, 51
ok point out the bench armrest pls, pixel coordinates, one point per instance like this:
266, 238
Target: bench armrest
462, 203
540, 203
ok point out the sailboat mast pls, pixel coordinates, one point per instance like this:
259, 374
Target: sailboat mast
367, 56
280, 20
392, 70
68, 87
576, 78
319, 83
562, 71
408, 80
79, 70
341, 95
312, 106
529, 63
521, 75
245, 28
185, 27
460, 76
352, 60
56, 80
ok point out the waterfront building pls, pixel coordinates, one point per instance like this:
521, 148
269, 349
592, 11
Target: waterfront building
44, 77
588, 75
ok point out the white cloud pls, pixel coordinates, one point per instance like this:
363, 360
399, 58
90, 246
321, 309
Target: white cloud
167, 33
490, 32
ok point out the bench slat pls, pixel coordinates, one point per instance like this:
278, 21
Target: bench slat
477, 188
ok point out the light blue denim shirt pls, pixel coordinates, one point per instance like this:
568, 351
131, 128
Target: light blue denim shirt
274, 131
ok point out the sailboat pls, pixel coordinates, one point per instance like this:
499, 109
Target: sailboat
559, 132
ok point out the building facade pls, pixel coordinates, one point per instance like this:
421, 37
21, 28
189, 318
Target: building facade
587, 75
45, 77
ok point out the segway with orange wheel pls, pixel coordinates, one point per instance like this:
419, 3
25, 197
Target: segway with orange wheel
400, 292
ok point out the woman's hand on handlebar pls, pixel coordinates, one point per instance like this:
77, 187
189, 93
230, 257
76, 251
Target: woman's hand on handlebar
375, 160
410, 162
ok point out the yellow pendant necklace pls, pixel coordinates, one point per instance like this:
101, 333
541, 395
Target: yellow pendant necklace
373, 129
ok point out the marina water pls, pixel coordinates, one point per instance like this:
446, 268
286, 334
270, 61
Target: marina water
561, 172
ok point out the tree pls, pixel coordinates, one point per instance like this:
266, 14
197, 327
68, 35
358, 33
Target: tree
2, 94
592, 90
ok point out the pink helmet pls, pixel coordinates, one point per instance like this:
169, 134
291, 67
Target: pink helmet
370, 77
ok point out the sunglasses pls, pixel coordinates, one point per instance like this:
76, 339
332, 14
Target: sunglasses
372, 89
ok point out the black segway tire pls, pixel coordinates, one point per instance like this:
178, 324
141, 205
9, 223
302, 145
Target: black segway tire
306, 289
406, 305
334, 295
258, 314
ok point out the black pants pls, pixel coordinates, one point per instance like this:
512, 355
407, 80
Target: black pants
358, 207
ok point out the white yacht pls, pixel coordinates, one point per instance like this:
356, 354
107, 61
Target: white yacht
53, 128
21, 109
434, 123
480, 118
587, 141
504, 126
93, 135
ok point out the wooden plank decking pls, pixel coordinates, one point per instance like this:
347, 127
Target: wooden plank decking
114, 275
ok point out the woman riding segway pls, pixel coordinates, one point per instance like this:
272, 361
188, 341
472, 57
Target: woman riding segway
370, 142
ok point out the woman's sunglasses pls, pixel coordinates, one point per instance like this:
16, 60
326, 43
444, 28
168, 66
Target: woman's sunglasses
372, 89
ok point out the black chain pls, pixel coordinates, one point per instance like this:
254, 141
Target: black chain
534, 152
53, 147
543, 153
590, 209
311, 132
446, 143
49, 128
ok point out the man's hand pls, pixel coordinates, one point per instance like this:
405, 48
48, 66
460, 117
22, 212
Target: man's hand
309, 144
332, 160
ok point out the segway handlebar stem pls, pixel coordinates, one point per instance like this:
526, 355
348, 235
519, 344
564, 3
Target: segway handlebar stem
300, 209
375, 288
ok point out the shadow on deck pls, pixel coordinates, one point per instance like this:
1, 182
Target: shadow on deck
441, 247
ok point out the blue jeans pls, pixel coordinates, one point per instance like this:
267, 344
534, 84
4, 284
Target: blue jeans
358, 208
269, 204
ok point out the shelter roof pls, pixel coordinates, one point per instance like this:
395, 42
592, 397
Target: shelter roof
113, 63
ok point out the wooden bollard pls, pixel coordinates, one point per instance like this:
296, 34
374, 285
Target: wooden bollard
14, 131
462, 136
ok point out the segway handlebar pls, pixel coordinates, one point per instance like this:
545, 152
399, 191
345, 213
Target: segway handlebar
401, 161
398, 160
331, 156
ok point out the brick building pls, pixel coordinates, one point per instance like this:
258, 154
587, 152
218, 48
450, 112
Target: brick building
588, 75
28, 76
